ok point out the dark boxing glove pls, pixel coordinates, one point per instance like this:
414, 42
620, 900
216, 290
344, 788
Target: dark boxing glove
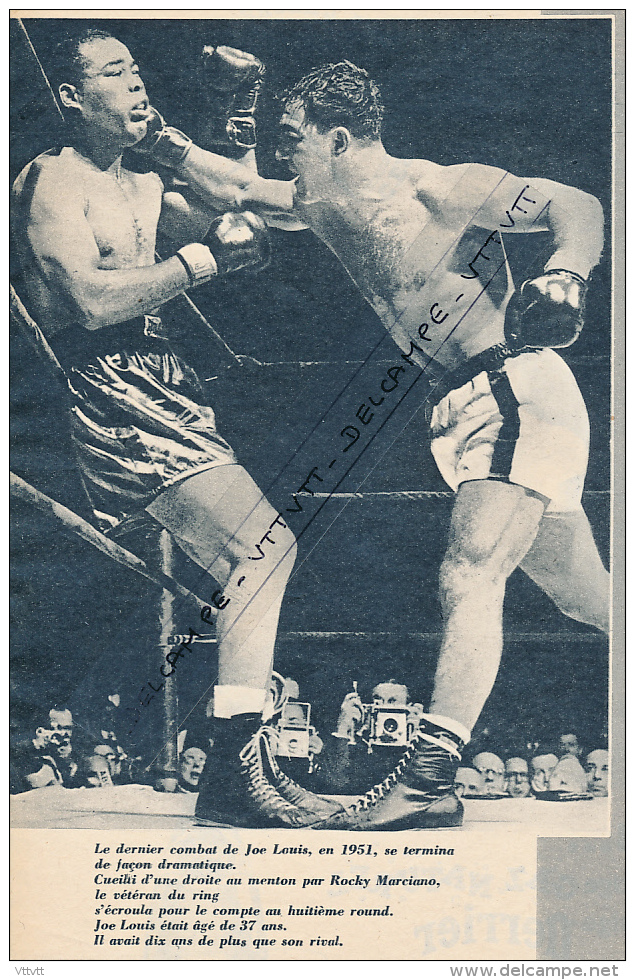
234, 241
547, 311
164, 144
231, 81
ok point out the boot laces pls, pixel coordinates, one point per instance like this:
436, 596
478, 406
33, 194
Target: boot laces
259, 787
377, 792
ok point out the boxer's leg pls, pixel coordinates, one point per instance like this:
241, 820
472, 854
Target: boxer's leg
493, 526
221, 520
565, 563
219, 517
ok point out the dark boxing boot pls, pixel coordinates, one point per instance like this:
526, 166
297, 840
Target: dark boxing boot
235, 788
417, 794
293, 792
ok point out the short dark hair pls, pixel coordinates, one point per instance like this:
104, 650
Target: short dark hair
67, 64
340, 94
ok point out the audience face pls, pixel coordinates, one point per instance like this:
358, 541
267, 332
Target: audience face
57, 737
191, 766
517, 777
568, 776
109, 754
292, 689
597, 772
294, 715
542, 767
492, 770
391, 694
468, 782
569, 745
61, 721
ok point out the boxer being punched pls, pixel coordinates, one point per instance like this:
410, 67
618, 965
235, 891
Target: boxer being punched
86, 227
425, 245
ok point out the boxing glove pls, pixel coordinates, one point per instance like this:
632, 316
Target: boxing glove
164, 144
231, 82
234, 241
547, 311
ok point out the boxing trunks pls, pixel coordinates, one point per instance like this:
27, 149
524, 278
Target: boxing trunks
138, 421
513, 416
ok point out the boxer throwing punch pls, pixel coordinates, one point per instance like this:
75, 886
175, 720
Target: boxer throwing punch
509, 429
86, 228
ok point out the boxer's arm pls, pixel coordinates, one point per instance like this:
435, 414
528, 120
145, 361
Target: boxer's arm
495, 199
227, 183
576, 220
220, 183
69, 260
185, 216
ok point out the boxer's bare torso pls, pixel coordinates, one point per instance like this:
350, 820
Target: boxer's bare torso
411, 239
64, 202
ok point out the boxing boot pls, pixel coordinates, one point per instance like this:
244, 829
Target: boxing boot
417, 794
292, 791
234, 787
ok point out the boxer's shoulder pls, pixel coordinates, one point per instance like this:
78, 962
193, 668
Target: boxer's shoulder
434, 180
54, 172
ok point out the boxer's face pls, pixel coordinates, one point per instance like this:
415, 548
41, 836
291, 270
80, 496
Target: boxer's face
111, 97
597, 772
307, 153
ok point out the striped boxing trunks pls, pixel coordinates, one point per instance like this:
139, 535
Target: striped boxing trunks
513, 416
138, 421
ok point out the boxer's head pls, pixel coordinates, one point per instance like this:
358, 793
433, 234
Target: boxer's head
597, 772
517, 777
99, 87
329, 112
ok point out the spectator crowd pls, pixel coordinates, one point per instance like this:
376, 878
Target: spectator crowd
366, 743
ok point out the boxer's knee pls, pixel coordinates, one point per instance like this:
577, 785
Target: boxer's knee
273, 552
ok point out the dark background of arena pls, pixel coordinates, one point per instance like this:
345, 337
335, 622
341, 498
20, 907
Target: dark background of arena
533, 97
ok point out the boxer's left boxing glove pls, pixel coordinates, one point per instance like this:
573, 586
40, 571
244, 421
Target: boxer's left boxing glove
231, 82
234, 241
547, 311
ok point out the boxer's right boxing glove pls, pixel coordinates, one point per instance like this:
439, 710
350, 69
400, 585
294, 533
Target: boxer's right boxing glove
234, 241
547, 311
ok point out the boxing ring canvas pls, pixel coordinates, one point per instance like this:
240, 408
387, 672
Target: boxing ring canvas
295, 362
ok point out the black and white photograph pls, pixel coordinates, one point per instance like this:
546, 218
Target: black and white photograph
316, 371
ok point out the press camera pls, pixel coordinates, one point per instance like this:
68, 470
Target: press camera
385, 724
294, 730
